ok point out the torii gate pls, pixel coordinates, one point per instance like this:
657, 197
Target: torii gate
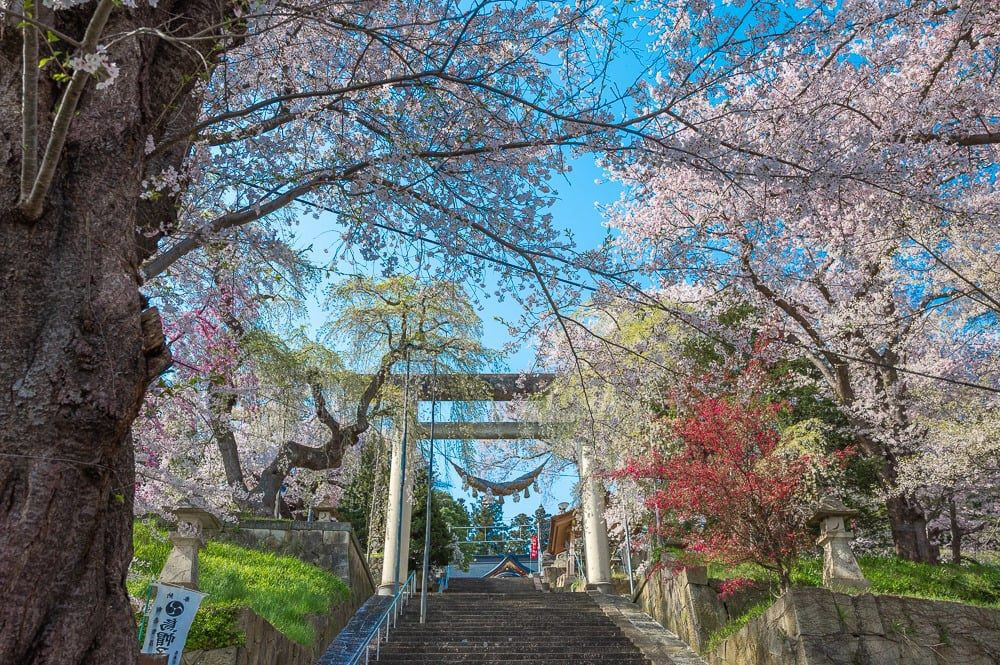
498, 388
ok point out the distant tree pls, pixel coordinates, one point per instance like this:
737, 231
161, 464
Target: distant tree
441, 538
522, 527
546, 526
490, 527
456, 514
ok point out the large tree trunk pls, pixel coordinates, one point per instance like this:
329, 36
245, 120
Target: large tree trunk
909, 530
72, 378
956, 532
222, 404
907, 518
77, 350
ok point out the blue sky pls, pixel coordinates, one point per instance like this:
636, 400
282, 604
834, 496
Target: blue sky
576, 210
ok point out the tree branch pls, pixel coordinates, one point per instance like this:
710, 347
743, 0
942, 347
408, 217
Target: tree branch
31, 206
29, 106
322, 412
159, 263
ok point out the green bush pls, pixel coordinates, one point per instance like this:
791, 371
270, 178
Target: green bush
283, 590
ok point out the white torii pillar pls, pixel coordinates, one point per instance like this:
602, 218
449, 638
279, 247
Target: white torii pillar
399, 488
595, 527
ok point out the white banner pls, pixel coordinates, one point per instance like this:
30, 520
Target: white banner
169, 620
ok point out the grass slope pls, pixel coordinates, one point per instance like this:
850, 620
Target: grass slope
283, 590
969, 584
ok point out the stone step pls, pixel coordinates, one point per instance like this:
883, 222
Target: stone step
503, 656
513, 645
402, 634
508, 622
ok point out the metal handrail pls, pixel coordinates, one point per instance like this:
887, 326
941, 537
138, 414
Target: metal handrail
395, 608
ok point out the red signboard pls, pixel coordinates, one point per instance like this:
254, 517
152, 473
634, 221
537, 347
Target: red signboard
534, 547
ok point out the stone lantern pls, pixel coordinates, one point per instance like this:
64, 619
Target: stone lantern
181, 568
840, 568
326, 512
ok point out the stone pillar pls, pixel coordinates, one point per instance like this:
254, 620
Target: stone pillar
393, 517
404, 546
181, 567
840, 568
595, 528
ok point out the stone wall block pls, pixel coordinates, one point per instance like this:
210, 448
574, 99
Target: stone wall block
707, 613
814, 611
693, 575
858, 615
819, 627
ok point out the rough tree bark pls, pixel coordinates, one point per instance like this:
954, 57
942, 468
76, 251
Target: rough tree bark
78, 346
909, 530
956, 531
907, 517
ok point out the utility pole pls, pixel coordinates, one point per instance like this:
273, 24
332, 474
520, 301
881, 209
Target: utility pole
628, 553
430, 493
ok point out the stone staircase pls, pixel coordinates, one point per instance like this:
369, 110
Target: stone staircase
506, 620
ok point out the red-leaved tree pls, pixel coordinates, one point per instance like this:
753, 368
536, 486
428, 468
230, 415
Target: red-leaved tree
735, 494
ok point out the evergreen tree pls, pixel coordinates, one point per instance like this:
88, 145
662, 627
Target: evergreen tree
522, 528
546, 526
355, 505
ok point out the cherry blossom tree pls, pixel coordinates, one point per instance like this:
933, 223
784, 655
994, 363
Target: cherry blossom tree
133, 134
957, 470
844, 184
253, 427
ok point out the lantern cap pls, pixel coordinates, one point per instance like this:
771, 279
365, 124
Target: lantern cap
186, 512
831, 506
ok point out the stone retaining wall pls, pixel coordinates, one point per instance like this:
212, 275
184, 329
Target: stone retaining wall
329, 545
812, 626
266, 646
686, 602
815, 626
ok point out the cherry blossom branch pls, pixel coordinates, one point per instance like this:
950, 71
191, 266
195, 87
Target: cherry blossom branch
29, 106
159, 263
994, 302
31, 206
963, 140
277, 99
644, 298
322, 413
